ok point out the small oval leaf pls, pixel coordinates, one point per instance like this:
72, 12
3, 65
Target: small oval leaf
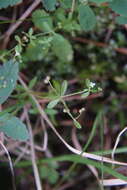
77, 124
64, 87
85, 94
53, 103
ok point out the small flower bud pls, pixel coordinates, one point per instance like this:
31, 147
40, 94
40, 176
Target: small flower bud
47, 79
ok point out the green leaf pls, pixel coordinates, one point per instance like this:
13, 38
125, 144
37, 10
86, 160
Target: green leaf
119, 6
87, 18
42, 20
57, 86
13, 127
87, 83
35, 51
64, 87
6, 3
53, 103
49, 173
62, 48
53, 177
101, 1
49, 5
32, 82
85, 94
80, 160
66, 4
44, 172
77, 124
121, 20
8, 78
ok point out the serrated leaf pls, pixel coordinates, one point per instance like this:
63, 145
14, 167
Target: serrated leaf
6, 3
53, 103
77, 124
8, 77
49, 5
121, 20
119, 6
42, 20
62, 48
85, 95
64, 87
87, 18
13, 127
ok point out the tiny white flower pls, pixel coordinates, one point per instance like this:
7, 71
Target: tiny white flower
81, 110
47, 79
17, 54
92, 84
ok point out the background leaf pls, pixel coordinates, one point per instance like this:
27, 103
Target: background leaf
42, 20
6, 3
62, 48
119, 6
13, 127
100, 1
121, 20
49, 5
87, 18
8, 78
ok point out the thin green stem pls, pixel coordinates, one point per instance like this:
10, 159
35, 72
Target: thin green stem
72, 9
75, 93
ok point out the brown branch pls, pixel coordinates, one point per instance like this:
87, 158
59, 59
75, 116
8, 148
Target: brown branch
100, 44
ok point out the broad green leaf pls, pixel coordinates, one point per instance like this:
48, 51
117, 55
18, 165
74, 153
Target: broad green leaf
64, 87
119, 6
49, 5
87, 18
8, 78
42, 20
53, 103
13, 127
62, 48
101, 1
6, 3
121, 20
77, 124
